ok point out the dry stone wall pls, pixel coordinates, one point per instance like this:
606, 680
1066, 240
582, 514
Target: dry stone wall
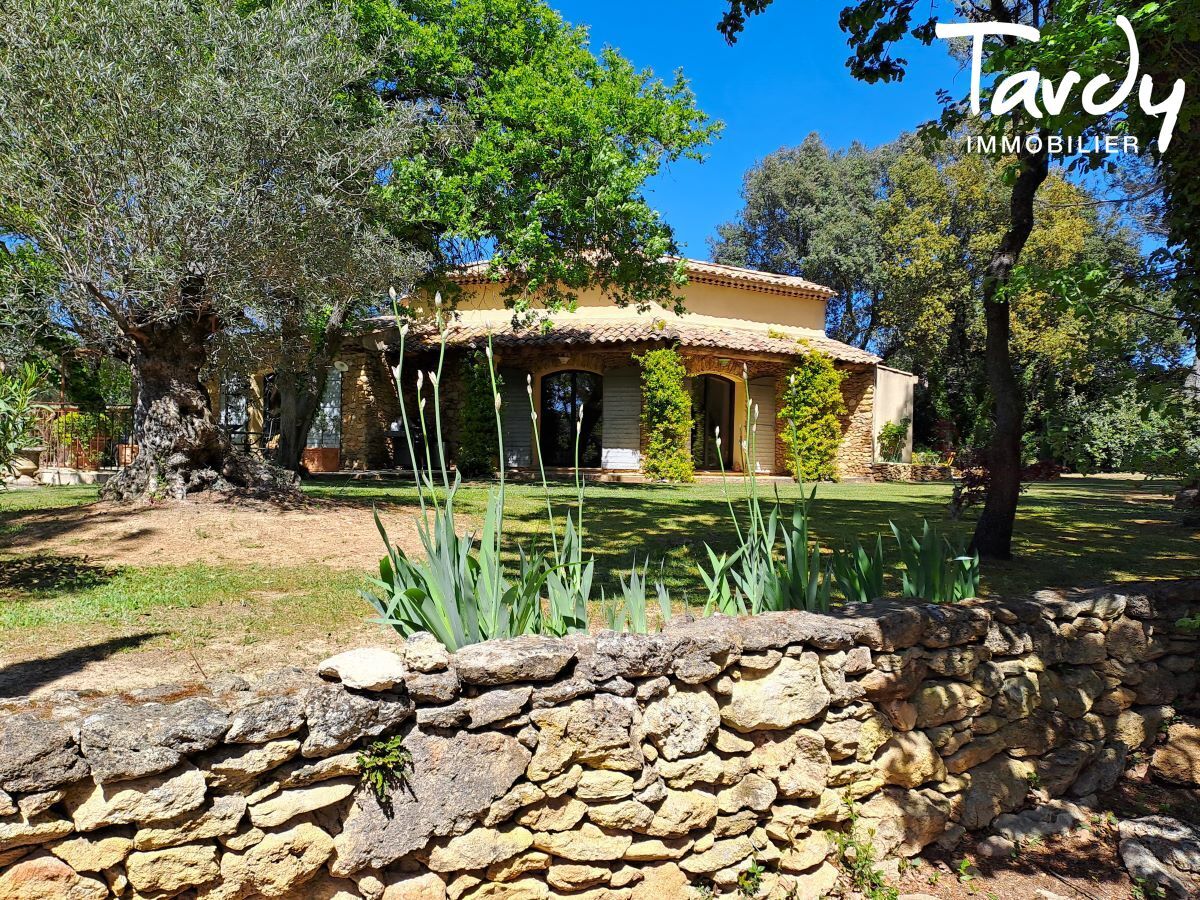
606, 767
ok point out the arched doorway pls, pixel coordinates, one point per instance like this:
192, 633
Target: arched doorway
564, 394
712, 407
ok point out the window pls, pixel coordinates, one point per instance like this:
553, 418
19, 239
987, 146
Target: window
564, 394
326, 430
235, 408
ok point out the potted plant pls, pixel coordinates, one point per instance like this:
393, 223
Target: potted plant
18, 419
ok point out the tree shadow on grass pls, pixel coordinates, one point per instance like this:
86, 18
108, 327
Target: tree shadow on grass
43, 574
20, 679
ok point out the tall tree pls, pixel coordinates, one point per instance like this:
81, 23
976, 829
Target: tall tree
874, 27
810, 211
923, 230
532, 150
168, 159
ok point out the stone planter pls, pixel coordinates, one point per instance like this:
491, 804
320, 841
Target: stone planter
66, 475
26, 461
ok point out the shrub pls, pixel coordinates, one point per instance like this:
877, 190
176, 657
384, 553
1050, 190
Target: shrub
812, 404
78, 431
1137, 430
858, 573
383, 767
892, 438
666, 416
18, 414
477, 455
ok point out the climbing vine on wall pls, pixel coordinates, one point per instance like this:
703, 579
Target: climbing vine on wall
477, 454
809, 416
666, 416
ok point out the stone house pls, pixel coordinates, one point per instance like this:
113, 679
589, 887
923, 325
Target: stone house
741, 334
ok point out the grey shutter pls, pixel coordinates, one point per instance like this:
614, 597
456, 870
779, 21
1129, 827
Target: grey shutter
514, 416
762, 392
621, 437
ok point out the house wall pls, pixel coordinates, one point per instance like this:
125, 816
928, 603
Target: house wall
716, 305
364, 443
893, 403
369, 405
856, 451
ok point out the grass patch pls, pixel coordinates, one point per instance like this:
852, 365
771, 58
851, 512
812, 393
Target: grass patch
262, 600
1072, 532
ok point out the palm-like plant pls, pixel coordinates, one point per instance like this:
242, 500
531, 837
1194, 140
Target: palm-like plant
18, 414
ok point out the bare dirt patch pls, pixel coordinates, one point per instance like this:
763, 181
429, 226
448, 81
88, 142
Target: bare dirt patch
337, 535
139, 659
1083, 864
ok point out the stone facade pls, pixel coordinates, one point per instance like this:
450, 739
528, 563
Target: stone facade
605, 767
910, 473
369, 399
369, 406
857, 449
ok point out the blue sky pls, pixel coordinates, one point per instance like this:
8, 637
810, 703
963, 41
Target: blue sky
785, 77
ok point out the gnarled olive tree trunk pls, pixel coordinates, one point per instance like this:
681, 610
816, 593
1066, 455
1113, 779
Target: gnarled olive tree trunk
182, 449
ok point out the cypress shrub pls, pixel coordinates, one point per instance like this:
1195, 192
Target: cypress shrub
666, 416
812, 403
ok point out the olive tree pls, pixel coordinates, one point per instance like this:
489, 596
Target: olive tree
187, 170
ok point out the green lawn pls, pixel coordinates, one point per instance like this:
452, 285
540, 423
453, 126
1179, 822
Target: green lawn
1072, 532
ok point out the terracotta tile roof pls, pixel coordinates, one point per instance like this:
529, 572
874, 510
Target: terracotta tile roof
703, 272
605, 331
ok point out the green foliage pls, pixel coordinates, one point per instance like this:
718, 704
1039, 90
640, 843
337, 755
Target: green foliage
935, 569
77, 431
666, 416
859, 574
809, 413
1189, 623
629, 614
893, 437
568, 582
27, 288
903, 235
459, 595
1133, 431
811, 211
755, 578
383, 767
804, 582
519, 94
750, 880
18, 413
856, 855
477, 454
